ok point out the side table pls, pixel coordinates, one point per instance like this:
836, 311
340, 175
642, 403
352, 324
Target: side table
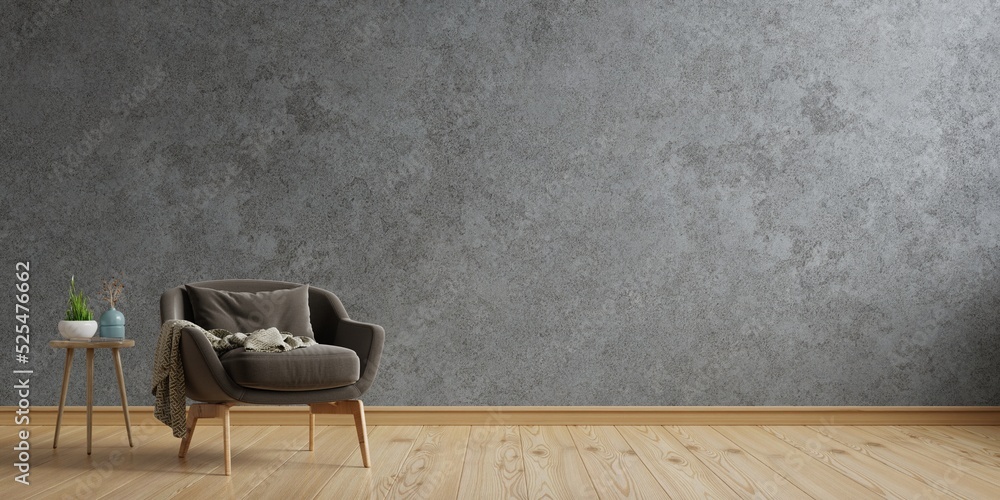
90, 346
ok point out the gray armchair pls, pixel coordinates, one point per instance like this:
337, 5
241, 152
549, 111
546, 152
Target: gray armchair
330, 377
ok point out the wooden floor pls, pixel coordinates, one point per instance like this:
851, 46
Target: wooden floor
520, 462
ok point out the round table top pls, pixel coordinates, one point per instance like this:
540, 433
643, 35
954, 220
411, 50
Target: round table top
97, 343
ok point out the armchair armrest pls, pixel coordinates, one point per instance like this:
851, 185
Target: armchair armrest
366, 340
205, 378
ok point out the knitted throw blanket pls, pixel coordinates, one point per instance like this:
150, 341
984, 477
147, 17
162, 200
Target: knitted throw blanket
266, 340
168, 372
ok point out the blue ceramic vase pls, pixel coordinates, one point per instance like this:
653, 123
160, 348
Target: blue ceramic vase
112, 324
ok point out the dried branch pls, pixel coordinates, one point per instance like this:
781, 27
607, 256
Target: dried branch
112, 290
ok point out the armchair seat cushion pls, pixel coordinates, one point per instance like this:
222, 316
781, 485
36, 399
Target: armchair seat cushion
311, 368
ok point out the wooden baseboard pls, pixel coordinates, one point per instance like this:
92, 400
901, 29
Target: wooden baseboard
554, 415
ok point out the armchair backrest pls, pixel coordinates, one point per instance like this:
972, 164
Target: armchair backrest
325, 309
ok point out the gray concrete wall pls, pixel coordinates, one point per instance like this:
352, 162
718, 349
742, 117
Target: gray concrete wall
548, 203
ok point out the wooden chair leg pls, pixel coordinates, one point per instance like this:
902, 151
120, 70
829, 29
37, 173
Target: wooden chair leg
209, 410
225, 438
350, 407
359, 423
312, 430
192, 421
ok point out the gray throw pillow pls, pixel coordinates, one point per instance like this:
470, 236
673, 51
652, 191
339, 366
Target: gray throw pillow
287, 310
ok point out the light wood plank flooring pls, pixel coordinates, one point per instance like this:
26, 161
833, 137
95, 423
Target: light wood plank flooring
520, 462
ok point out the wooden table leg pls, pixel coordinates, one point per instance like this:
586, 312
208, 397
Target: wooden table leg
62, 396
121, 388
90, 397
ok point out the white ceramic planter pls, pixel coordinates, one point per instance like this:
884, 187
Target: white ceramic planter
77, 329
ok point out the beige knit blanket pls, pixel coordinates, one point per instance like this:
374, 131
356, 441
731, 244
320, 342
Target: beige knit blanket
168, 372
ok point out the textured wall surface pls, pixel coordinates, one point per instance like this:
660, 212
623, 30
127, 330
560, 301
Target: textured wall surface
546, 203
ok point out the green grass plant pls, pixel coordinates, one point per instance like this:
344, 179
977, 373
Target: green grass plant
78, 310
